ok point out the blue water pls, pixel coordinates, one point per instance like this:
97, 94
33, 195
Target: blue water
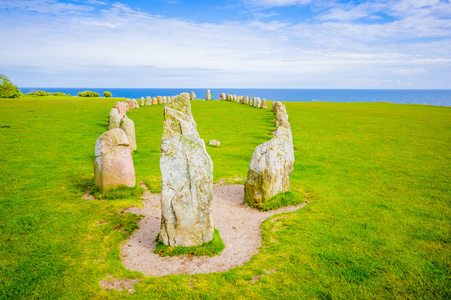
429, 97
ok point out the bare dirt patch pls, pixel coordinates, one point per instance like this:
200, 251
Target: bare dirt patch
238, 225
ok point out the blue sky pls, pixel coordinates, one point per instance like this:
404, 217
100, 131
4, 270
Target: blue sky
400, 44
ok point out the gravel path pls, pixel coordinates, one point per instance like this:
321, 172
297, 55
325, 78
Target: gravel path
238, 225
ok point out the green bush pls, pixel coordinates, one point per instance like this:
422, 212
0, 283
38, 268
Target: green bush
88, 94
8, 89
107, 94
42, 93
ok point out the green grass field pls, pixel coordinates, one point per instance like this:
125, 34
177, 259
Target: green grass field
377, 176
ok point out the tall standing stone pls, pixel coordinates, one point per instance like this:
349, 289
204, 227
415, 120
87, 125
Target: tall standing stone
154, 101
148, 100
136, 103
208, 96
270, 169
187, 179
192, 96
160, 100
113, 165
128, 127
263, 104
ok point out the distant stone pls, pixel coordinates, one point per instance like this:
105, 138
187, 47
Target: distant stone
159, 100
270, 169
128, 127
131, 104
148, 100
113, 165
208, 96
192, 96
114, 119
127, 107
214, 143
136, 103
142, 101
257, 102
223, 95
263, 104
121, 107
187, 179
154, 101
165, 99
283, 121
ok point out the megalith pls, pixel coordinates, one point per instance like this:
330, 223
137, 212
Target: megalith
148, 101
263, 104
113, 165
154, 101
159, 100
208, 96
120, 106
192, 96
270, 168
187, 179
142, 101
136, 103
128, 127
114, 119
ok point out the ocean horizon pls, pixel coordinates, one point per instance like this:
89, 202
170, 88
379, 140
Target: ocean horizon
437, 97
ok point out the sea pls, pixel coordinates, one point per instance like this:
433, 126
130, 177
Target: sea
411, 96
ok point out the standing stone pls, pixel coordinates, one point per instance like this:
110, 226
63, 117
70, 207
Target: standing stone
159, 100
114, 119
127, 108
154, 101
263, 104
208, 97
142, 101
165, 99
187, 179
128, 127
257, 102
270, 169
148, 100
283, 121
131, 104
113, 165
136, 103
120, 106
192, 96
223, 96
214, 143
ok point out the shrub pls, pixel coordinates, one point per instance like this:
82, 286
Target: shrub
8, 89
88, 94
42, 93
107, 94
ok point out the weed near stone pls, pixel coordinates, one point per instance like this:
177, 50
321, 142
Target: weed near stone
212, 248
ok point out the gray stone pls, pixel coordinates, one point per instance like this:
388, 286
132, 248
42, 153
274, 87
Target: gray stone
113, 165
114, 119
142, 101
148, 100
208, 96
214, 143
154, 101
263, 104
192, 96
159, 100
128, 127
187, 179
270, 169
136, 103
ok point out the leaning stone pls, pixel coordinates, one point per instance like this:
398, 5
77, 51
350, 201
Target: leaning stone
263, 104
113, 165
128, 127
187, 179
270, 169
214, 143
208, 96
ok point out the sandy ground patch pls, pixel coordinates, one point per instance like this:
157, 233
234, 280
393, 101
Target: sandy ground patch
238, 225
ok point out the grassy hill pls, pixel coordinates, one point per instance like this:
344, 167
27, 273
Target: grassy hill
377, 176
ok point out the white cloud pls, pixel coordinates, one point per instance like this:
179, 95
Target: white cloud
146, 47
275, 3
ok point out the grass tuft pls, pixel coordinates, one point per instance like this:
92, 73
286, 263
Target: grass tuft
280, 200
212, 248
121, 192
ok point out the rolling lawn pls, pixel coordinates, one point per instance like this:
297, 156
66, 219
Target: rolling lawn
376, 175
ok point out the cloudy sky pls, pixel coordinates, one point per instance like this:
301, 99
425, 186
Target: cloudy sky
226, 43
